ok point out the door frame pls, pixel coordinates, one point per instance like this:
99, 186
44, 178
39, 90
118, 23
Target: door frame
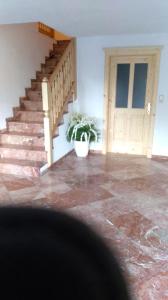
137, 51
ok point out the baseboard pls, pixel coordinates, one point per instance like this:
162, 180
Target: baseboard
159, 157
45, 169
60, 159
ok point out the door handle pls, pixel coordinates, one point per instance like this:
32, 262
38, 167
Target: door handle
148, 108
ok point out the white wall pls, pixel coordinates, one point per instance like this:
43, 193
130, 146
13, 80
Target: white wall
91, 79
60, 144
22, 50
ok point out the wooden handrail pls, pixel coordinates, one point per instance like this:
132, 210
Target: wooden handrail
56, 92
45, 29
52, 33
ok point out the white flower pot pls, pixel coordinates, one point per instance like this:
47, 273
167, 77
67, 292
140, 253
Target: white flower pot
81, 148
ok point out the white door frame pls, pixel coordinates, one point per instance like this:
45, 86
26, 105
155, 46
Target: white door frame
109, 53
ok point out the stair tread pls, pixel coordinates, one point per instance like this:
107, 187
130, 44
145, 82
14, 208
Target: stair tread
22, 162
35, 91
22, 133
29, 100
29, 122
29, 110
22, 147
36, 80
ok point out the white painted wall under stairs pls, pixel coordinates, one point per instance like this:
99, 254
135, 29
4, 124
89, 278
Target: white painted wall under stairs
61, 146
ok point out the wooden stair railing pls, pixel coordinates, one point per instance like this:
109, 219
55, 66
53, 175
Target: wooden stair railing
51, 32
44, 29
57, 91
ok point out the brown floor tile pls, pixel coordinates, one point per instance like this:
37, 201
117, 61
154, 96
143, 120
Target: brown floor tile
123, 197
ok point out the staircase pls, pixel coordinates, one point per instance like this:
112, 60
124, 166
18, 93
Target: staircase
22, 148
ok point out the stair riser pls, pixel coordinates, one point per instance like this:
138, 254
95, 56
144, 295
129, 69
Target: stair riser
22, 140
36, 86
25, 127
55, 55
19, 170
63, 42
29, 116
31, 105
41, 76
57, 51
34, 95
60, 46
47, 69
51, 62
22, 153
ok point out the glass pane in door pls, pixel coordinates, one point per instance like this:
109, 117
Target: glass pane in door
123, 71
139, 90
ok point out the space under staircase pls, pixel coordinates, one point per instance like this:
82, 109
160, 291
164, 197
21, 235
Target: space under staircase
26, 143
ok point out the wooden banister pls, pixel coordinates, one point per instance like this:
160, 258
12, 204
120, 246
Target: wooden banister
52, 33
44, 29
57, 91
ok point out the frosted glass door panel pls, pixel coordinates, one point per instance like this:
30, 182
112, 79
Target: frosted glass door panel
139, 90
122, 87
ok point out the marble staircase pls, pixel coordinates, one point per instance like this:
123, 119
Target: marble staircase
22, 150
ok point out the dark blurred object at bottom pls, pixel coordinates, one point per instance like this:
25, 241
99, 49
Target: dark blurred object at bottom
50, 255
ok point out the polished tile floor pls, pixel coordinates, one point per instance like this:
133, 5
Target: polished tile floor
124, 198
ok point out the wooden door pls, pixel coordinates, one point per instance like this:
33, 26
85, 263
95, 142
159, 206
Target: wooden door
131, 81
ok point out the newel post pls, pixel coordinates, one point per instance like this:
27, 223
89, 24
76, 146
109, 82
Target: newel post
47, 121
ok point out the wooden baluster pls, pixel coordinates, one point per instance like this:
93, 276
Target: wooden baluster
58, 98
65, 83
47, 121
74, 68
51, 100
64, 80
68, 72
62, 89
53, 104
70, 66
54, 108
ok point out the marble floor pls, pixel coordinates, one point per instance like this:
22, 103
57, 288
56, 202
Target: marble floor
124, 198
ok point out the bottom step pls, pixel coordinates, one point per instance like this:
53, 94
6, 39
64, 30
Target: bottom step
20, 167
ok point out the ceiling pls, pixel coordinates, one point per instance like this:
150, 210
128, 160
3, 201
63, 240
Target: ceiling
90, 17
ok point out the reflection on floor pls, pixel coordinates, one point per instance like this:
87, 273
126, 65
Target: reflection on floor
124, 198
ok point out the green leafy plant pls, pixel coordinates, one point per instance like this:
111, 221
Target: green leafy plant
82, 128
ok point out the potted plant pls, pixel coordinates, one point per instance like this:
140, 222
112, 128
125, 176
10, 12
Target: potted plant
82, 130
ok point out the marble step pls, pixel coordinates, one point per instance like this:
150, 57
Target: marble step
7, 137
47, 69
59, 47
20, 167
41, 76
51, 61
23, 152
36, 85
25, 127
55, 54
62, 42
30, 105
34, 95
28, 115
